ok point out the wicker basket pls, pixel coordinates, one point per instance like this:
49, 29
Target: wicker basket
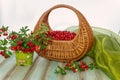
73, 50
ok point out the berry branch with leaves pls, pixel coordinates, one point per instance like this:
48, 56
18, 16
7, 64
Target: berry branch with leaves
4, 43
23, 40
74, 67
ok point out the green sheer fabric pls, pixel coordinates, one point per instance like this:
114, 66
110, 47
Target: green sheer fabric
106, 51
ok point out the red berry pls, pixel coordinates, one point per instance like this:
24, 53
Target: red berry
19, 42
13, 37
68, 64
37, 37
86, 67
26, 50
3, 30
74, 70
3, 54
18, 47
82, 65
14, 48
30, 44
37, 48
5, 34
33, 48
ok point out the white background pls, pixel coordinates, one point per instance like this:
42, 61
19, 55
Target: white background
100, 13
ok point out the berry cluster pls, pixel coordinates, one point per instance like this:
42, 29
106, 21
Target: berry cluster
75, 67
22, 41
3, 31
4, 51
30, 47
83, 66
3, 54
61, 35
12, 37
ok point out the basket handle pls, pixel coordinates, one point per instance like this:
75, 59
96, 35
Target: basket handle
44, 17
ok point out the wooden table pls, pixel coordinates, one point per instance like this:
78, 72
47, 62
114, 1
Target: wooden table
43, 69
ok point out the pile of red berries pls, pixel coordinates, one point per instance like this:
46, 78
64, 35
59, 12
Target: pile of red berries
75, 67
61, 35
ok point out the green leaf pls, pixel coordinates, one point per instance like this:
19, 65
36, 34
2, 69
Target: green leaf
56, 71
42, 47
8, 53
91, 66
2, 48
67, 68
1, 42
44, 27
59, 70
76, 65
5, 42
0, 33
26, 27
5, 28
23, 31
80, 69
25, 45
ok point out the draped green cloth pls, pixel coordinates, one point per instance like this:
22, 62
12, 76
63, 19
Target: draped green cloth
105, 51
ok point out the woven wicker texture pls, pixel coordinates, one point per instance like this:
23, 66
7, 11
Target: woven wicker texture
73, 50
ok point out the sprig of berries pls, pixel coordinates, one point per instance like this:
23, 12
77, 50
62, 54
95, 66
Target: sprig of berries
75, 67
4, 31
23, 40
4, 44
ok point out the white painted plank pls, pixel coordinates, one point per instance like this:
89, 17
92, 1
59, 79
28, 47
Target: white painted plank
37, 72
19, 71
90, 75
71, 76
1, 59
105, 77
43, 69
50, 74
6, 67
